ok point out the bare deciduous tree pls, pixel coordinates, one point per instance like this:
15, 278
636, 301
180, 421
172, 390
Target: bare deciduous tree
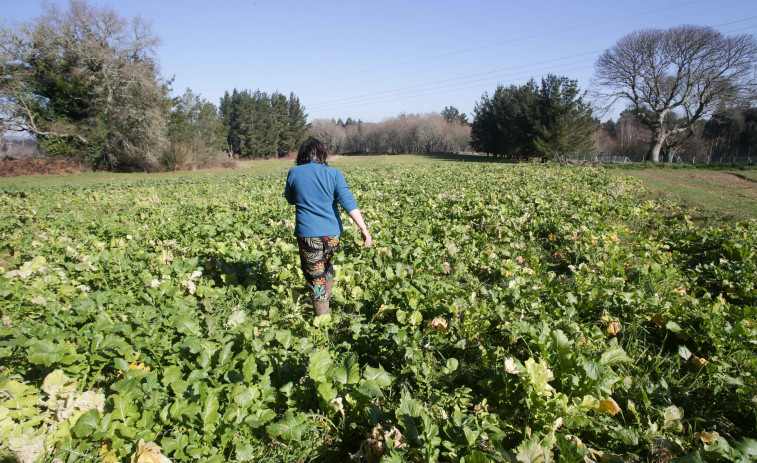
407, 133
84, 81
672, 78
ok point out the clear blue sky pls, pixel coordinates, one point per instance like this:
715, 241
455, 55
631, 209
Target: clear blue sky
372, 60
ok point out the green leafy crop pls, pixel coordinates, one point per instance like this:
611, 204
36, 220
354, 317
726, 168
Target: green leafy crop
505, 313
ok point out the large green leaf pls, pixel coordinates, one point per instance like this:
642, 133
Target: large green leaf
348, 372
320, 365
378, 375
47, 353
289, 428
209, 412
615, 355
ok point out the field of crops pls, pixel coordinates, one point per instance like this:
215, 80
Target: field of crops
505, 313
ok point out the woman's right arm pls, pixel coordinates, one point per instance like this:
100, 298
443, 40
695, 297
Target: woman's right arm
357, 217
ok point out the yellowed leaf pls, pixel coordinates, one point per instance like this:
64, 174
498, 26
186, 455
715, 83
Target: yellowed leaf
107, 455
614, 327
510, 366
659, 320
699, 361
148, 453
439, 323
610, 458
608, 405
707, 437
138, 366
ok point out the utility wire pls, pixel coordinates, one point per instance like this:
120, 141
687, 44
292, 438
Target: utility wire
517, 39
478, 82
437, 93
400, 93
468, 76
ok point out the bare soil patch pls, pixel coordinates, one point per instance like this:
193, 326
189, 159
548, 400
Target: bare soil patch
48, 166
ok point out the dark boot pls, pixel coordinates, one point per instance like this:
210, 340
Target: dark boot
322, 307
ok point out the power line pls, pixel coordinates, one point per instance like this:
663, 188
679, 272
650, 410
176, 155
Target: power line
517, 39
400, 93
478, 82
435, 93
468, 76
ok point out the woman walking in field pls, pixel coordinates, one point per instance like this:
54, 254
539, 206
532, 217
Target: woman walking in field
314, 189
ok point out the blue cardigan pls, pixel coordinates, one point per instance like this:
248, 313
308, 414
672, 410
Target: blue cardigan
314, 189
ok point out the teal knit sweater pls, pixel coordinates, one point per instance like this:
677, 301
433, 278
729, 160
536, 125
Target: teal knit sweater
315, 189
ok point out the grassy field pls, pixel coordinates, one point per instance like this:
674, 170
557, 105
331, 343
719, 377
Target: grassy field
712, 193
243, 167
708, 194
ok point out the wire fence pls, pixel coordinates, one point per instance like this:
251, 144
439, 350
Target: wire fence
677, 159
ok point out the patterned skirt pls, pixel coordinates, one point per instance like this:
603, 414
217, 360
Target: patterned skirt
316, 255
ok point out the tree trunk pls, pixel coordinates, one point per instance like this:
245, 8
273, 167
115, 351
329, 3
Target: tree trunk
654, 149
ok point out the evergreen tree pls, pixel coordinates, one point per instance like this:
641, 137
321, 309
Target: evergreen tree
259, 125
528, 121
280, 112
297, 126
452, 114
564, 123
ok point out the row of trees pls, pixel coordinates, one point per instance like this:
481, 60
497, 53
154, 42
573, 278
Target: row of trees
418, 134
261, 125
85, 83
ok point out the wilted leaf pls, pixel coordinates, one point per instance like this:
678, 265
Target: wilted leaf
608, 405
707, 437
511, 367
614, 327
699, 361
439, 324
658, 320
139, 366
107, 455
57, 383
671, 415
148, 453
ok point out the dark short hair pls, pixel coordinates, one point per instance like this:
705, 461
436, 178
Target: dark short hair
309, 149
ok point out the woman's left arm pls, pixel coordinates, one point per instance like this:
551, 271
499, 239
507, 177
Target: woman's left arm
289, 190
357, 217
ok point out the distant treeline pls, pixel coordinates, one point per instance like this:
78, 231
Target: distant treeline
728, 132
413, 133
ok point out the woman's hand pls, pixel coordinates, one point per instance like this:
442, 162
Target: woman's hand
367, 238
357, 217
